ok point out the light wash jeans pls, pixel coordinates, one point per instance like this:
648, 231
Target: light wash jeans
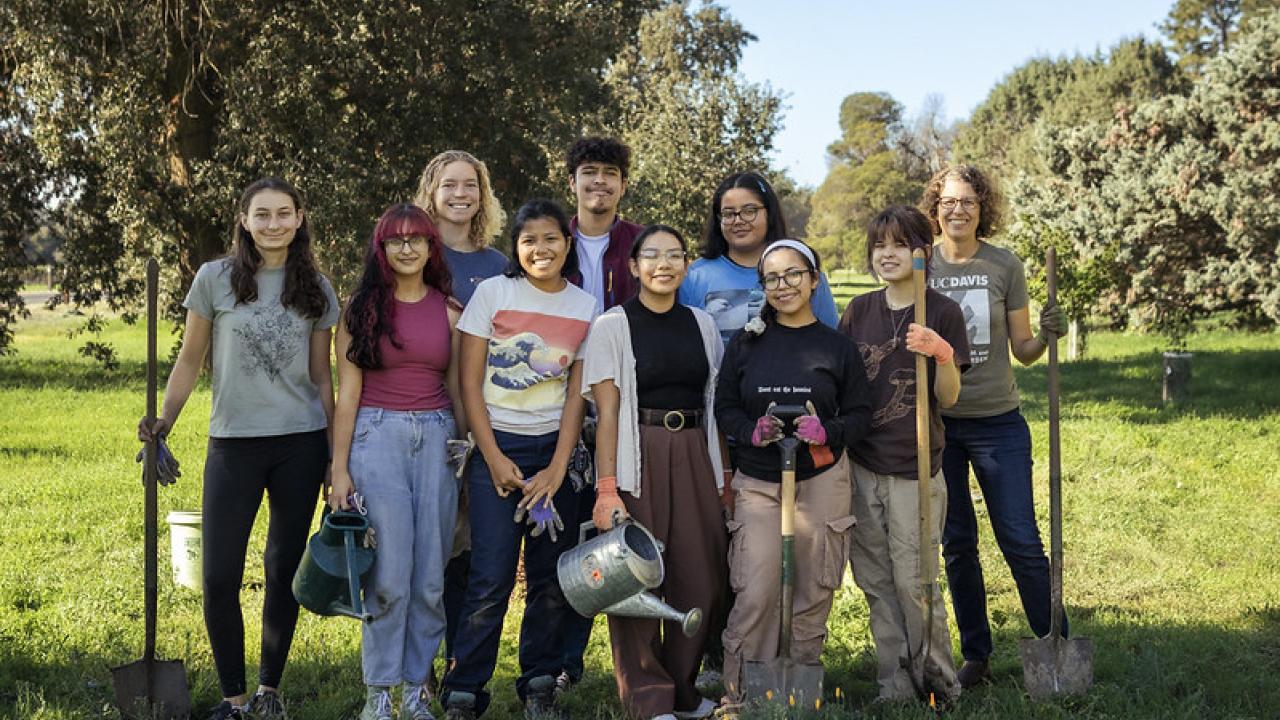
398, 463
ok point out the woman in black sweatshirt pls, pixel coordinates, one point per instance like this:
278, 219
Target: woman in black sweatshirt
786, 356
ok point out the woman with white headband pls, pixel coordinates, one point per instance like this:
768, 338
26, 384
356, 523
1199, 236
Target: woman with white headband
786, 356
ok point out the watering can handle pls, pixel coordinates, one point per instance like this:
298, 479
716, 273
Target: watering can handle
618, 519
353, 578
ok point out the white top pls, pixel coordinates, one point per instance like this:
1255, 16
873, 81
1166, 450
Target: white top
608, 356
591, 249
534, 337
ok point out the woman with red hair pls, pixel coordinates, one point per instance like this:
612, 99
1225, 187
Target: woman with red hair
398, 392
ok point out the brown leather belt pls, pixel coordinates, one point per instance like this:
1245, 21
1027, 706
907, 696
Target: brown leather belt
673, 420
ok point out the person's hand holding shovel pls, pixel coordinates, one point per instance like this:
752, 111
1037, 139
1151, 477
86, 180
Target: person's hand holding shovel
768, 430
810, 430
927, 341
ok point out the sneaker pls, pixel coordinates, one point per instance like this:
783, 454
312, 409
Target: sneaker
267, 705
377, 704
564, 683
415, 703
460, 706
704, 710
227, 711
973, 672
540, 700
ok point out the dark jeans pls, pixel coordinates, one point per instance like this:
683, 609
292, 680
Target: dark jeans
999, 450
577, 629
495, 549
455, 593
290, 469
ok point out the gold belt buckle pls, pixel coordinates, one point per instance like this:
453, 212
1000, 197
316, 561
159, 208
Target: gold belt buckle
666, 421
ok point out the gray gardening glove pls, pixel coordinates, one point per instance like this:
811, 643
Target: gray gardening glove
167, 467
459, 452
580, 468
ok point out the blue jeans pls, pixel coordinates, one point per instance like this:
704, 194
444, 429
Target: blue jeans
999, 450
495, 550
398, 464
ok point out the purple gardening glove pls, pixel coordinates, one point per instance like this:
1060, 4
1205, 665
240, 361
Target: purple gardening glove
544, 517
768, 430
809, 429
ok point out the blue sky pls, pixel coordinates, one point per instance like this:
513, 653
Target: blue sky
818, 51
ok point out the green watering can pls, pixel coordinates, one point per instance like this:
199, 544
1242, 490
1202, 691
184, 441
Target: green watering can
336, 561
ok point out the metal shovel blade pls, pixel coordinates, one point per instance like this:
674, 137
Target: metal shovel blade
784, 681
1055, 665
152, 690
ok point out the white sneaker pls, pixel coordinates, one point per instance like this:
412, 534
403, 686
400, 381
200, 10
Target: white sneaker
704, 710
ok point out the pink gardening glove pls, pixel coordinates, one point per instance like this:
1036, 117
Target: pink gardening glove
809, 429
925, 341
768, 429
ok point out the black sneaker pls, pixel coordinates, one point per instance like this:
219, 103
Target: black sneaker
227, 711
973, 672
267, 705
460, 706
540, 700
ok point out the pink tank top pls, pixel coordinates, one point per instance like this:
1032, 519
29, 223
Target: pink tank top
412, 375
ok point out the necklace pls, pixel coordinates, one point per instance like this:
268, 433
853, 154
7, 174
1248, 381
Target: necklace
897, 324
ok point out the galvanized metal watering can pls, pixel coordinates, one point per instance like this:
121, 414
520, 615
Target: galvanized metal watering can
336, 560
611, 572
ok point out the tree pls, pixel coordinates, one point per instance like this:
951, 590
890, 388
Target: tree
1199, 30
19, 176
677, 98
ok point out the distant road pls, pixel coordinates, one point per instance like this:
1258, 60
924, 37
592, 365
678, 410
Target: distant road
36, 298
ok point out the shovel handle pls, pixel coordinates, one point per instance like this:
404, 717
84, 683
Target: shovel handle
150, 501
1055, 459
924, 471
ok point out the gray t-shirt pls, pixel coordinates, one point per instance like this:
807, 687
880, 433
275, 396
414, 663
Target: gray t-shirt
261, 355
469, 269
987, 287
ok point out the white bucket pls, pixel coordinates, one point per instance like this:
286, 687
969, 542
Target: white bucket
184, 548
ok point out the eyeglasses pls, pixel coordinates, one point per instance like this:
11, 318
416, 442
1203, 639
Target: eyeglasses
791, 277
653, 254
949, 203
746, 214
400, 244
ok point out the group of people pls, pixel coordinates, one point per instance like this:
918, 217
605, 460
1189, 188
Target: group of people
465, 381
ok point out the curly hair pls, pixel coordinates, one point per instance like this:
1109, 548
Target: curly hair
302, 290
604, 150
714, 243
370, 315
990, 201
487, 223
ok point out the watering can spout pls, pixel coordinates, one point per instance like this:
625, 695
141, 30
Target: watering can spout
646, 605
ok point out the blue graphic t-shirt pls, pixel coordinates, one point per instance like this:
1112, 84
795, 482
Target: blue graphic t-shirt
469, 269
731, 294
261, 355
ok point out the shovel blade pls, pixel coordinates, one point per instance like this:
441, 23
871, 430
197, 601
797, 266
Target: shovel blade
784, 681
167, 698
1053, 666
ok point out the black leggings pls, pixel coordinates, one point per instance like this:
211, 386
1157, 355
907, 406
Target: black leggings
290, 468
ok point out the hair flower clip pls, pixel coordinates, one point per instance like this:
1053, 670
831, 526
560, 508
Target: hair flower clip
755, 325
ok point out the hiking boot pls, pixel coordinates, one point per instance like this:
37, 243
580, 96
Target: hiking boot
227, 711
267, 705
973, 672
415, 703
460, 706
377, 704
540, 700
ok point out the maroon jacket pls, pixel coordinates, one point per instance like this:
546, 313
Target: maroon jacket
619, 285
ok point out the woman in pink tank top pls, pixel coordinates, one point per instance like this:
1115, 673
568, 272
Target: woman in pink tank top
397, 402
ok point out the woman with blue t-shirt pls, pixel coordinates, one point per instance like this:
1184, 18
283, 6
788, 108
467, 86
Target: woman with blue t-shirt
265, 313
521, 379
398, 389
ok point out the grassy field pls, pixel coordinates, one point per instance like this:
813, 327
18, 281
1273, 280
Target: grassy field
1172, 567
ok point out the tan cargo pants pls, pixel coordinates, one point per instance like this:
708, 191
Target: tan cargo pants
755, 567
885, 557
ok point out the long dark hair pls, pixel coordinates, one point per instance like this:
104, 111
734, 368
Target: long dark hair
536, 210
713, 243
302, 291
768, 313
370, 315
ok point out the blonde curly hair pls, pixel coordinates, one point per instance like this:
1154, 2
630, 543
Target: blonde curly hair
489, 218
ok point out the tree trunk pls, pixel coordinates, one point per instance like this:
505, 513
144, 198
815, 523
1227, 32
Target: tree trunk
1077, 339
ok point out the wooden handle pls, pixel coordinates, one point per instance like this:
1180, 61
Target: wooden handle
923, 470
1055, 460
150, 505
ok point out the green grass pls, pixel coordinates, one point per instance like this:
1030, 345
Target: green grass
1171, 565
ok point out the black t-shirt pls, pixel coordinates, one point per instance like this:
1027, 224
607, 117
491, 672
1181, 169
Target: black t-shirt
790, 366
671, 365
880, 334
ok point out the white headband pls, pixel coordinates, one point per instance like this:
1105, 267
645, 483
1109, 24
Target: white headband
794, 245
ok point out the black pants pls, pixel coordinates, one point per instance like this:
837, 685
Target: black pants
290, 468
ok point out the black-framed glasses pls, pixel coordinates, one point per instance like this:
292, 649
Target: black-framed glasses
747, 214
403, 242
792, 279
950, 203
653, 254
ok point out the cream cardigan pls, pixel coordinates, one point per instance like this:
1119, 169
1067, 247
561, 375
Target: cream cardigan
608, 356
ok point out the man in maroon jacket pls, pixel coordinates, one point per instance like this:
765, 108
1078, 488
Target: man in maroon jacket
598, 168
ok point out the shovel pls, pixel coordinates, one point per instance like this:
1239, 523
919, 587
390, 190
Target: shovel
1055, 665
926, 675
783, 679
151, 688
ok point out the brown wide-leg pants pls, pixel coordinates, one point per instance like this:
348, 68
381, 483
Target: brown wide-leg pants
822, 526
655, 663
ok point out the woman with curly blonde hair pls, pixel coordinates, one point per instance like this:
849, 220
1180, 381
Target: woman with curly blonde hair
455, 191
